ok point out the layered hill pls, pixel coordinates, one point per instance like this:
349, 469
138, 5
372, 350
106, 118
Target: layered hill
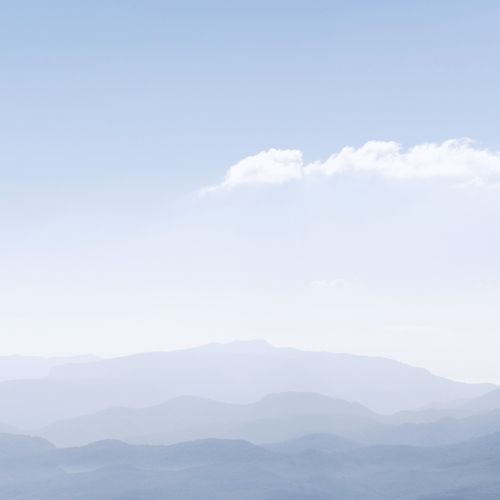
311, 468
275, 417
239, 372
242, 372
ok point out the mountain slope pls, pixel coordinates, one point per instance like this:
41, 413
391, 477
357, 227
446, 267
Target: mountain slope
455, 409
326, 443
27, 367
440, 432
228, 469
277, 416
242, 372
16, 446
239, 372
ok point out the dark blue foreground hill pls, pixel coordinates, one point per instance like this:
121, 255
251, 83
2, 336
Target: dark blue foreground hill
227, 469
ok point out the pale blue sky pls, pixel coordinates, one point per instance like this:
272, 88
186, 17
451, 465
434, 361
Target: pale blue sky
115, 114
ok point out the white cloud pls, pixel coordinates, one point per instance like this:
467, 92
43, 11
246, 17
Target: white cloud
275, 166
456, 159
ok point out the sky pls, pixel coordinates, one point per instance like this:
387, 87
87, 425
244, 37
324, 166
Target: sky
323, 175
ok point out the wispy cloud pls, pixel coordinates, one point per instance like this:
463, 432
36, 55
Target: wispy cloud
456, 159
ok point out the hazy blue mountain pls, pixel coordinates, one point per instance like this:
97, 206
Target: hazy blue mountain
243, 372
185, 454
27, 367
328, 443
277, 416
228, 469
486, 402
185, 417
32, 403
440, 432
289, 403
14, 445
488, 491
8, 429
454, 409
239, 372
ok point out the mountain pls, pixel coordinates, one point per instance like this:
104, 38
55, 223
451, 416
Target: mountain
440, 432
486, 402
8, 429
455, 409
16, 446
246, 371
277, 416
227, 469
185, 454
327, 443
239, 372
29, 367
32, 403
185, 417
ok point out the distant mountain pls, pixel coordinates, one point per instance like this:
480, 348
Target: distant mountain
185, 454
489, 491
8, 429
439, 432
454, 409
227, 469
28, 367
486, 402
239, 372
242, 372
32, 403
15, 446
278, 416
326, 443
184, 418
